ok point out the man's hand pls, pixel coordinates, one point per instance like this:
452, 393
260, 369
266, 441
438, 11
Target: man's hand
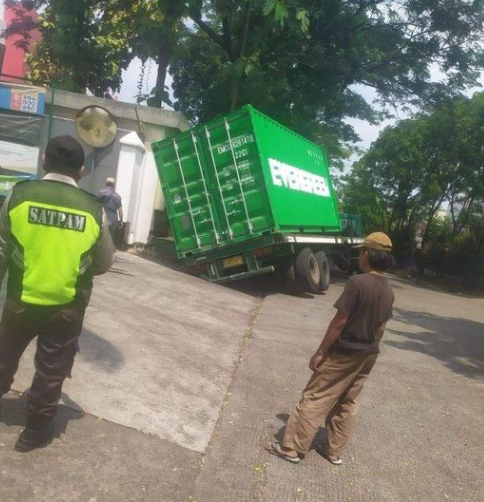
334, 330
315, 361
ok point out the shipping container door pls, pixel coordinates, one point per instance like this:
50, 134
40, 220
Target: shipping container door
187, 193
235, 171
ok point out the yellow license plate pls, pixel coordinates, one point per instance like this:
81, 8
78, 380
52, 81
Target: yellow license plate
234, 261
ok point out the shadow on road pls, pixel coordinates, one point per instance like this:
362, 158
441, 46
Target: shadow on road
270, 284
98, 351
13, 413
320, 437
458, 342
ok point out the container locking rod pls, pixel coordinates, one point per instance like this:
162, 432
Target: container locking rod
175, 145
249, 223
229, 228
194, 140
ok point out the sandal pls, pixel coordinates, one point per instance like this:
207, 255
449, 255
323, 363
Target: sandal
320, 448
275, 449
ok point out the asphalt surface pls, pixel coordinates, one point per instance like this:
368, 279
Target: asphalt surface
183, 382
157, 350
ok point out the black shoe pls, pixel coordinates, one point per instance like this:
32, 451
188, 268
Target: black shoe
31, 439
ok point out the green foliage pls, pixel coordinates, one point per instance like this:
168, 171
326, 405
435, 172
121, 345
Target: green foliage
417, 167
301, 61
358, 195
460, 255
85, 44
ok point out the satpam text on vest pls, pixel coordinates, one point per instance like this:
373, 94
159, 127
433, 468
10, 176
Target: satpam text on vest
54, 218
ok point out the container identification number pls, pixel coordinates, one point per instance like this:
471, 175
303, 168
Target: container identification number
240, 154
236, 143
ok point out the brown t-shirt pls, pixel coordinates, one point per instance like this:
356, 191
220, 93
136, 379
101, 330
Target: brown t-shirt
368, 300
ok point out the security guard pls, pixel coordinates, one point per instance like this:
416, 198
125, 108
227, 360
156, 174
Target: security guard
53, 239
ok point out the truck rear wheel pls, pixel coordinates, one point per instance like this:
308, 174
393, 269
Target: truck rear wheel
324, 270
308, 276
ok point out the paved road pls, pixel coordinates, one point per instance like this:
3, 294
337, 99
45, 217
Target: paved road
420, 434
157, 351
213, 372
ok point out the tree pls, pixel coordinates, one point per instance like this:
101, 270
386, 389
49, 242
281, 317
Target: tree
85, 44
88, 44
419, 165
156, 33
385, 185
305, 75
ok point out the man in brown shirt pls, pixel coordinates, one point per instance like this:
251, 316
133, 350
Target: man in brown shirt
344, 359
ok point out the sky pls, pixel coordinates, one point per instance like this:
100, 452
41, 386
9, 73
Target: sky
131, 78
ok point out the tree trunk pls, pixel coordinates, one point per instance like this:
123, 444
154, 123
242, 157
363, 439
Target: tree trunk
430, 218
412, 215
236, 86
164, 56
452, 214
391, 220
465, 214
234, 96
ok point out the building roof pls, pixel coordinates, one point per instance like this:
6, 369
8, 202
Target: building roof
70, 103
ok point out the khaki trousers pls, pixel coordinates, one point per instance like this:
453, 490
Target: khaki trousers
332, 393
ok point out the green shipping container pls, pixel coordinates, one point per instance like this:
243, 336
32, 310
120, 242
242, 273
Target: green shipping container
242, 177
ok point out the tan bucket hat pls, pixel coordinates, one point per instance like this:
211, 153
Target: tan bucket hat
377, 240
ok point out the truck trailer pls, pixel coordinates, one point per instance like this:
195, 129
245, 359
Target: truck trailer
246, 196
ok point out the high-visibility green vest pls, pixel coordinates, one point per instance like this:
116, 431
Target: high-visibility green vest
54, 228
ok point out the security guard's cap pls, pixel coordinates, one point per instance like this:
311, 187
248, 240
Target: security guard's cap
377, 240
66, 151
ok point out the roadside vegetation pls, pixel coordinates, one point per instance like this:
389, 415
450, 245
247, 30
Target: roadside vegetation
422, 181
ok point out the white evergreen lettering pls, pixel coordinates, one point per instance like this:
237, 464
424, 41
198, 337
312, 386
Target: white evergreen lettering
297, 179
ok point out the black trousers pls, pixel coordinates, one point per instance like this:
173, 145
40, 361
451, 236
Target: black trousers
57, 331
117, 234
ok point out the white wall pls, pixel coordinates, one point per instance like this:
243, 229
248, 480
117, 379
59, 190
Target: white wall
136, 183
